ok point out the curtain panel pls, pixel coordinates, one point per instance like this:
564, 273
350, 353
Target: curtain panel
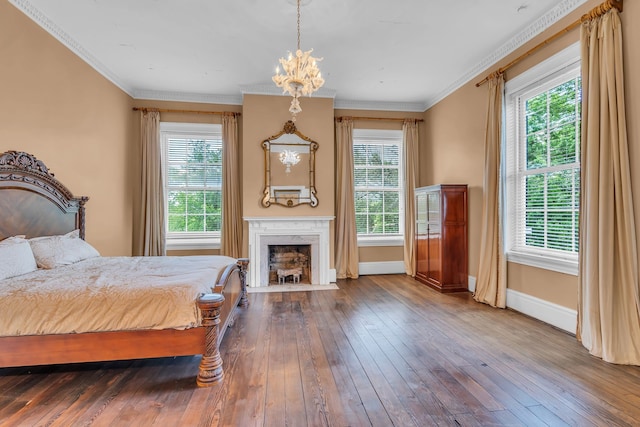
491, 284
608, 302
346, 237
150, 239
410, 143
231, 230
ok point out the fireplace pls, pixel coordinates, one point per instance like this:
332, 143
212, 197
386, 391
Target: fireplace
289, 263
308, 235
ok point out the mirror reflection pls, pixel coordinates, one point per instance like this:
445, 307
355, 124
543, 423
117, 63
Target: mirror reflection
289, 168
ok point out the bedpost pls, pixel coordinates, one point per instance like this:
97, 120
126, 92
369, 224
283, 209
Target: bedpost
211, 371
243, 263
81, 216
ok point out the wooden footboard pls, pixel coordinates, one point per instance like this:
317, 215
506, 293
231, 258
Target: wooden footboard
234, 288
217, 314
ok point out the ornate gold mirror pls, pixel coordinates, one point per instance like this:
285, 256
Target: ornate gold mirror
289, 168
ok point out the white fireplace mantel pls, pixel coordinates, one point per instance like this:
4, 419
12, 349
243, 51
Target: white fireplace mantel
312, 230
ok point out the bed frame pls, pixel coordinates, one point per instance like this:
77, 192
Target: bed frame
34, 203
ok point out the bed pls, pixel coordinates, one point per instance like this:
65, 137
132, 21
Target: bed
38, 209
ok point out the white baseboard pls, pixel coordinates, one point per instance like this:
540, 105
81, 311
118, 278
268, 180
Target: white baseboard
548, 312
332, 275
472, 284
384, 267
545, 311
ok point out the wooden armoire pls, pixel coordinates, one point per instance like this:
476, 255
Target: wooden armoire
441, 237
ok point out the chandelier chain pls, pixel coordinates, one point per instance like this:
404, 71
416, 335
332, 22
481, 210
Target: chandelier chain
301, 74
298, 24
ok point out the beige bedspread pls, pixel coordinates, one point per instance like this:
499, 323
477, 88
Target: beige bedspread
107, 294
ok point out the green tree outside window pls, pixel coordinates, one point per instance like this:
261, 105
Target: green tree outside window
377, 188
194, 182
551, 173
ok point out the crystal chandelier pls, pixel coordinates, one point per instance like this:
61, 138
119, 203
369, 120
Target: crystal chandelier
302, 76
289, 158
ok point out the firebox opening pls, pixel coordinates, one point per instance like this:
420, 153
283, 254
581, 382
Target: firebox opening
289, 264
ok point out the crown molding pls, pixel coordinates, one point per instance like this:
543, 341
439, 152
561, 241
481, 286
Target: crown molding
537, 27
163, 95
271, 89
348, 104
43, 21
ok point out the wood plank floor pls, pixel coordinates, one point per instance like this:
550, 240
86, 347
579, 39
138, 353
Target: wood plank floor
381, 351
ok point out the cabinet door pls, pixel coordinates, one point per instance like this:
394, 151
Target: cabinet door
454, 238
422, 252
434, 225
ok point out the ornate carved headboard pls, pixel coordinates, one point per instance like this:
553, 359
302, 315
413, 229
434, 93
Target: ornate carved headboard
33, 202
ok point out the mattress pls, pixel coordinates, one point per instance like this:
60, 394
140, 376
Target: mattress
109, 294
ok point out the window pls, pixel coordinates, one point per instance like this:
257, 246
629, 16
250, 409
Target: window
193, 184
378, 187
543, 164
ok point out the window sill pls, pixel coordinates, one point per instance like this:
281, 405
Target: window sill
547, 262
192, 244
381, 241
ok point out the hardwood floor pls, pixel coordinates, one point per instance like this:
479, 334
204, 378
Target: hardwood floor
381, 351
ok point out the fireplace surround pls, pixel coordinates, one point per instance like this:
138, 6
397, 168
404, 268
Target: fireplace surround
298, 230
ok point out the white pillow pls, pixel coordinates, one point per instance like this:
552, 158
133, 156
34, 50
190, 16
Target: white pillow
16, 257
54, 251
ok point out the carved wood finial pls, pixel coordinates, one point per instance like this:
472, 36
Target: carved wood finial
243, 263
22, 160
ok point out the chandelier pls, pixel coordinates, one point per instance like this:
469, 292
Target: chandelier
289, 158
301, 75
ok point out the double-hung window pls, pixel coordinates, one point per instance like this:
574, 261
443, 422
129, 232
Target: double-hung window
378, 187
543, 108
192, 156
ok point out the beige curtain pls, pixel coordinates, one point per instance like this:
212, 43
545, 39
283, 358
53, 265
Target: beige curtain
491, 285
410, 143
231, 232
150, 240
346, 237
609, 304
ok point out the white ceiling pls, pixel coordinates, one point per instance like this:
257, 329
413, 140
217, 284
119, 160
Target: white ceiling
378, 54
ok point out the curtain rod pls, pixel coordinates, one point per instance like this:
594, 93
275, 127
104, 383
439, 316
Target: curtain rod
168, 110
593, 13
388, 119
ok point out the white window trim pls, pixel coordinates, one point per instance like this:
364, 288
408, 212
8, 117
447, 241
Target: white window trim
554, 69
367, 241
188, 241
192, 243
381, 135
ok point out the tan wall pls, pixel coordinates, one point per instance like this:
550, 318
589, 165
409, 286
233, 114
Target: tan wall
453, 153
380, 253
455, 139
55, 106
265, 116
